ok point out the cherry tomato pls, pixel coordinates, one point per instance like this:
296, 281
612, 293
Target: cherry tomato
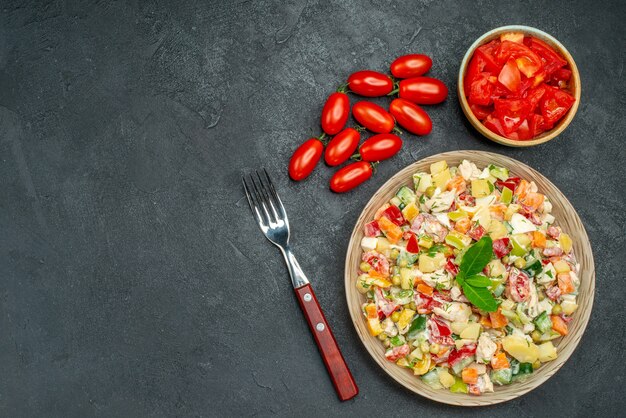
305, 158
411, 117
335, 112
380, 147
350, 176
412, 65
423, 90
370, 83
342, 146
373, 117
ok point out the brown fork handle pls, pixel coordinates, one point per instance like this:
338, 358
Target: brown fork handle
335, 364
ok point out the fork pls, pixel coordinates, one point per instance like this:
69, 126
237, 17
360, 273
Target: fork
270, 214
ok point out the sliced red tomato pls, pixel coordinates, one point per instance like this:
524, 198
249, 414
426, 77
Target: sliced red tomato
412, 245
477, 232
534, 97
396, 353
372, 229
394, 215
481, 112
517, 37
555, 104
474, 68
511, 113
378, 262
510, 76
493, 124
560, 77
527, 61
487, 53
537, 125
481, 90
524, 131
551, 59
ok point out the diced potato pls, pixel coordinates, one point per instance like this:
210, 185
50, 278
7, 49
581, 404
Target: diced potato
445, 378
569, 306
510, 211
410, 211
482, 216
480, 188
428, 264
441, 179
458, 327
425, 242
496, 268
497, 229
565, 242
438, 167
546, 352
373, 326
416, 354
406, 278
422, 182
471, 332
561, 267
382, 244
520, 348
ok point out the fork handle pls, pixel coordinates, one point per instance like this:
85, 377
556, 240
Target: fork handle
335, 364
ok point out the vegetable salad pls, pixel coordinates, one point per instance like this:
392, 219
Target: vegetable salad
467, 278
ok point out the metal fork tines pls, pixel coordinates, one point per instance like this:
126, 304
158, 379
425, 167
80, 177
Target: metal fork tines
272, 218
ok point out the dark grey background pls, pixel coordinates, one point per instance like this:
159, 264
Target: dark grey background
133, 280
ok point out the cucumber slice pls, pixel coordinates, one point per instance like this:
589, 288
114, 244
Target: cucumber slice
499, 172
406, 195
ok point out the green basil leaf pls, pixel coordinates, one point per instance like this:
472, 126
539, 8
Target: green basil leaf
480, 297
478, 280
476, 258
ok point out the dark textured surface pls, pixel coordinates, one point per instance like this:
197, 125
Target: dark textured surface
133, 280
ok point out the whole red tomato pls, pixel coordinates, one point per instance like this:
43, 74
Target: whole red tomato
423, 90
305, 158
350, 176
373, 117
380, 147
411, 117
335, 112
412, 65
342, 146
370, 83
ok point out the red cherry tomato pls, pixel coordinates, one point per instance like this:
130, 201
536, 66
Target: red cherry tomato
370, 83
350, 176
305, 158
342, 146
412, 65
423, 90
411, 117
380, 147
335, 112
373, 117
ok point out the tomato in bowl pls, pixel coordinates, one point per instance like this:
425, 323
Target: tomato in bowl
519, 86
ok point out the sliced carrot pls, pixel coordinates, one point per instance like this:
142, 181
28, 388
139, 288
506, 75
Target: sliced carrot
497, 319
497, 211
565, 283
559, 325
370, 310
532, 200
500, 362
463, 225
485, 321
539, 239
457, 183
469, 375
392, 231
425, 289
522, 189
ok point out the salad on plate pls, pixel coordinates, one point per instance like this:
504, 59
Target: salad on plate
467, 279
